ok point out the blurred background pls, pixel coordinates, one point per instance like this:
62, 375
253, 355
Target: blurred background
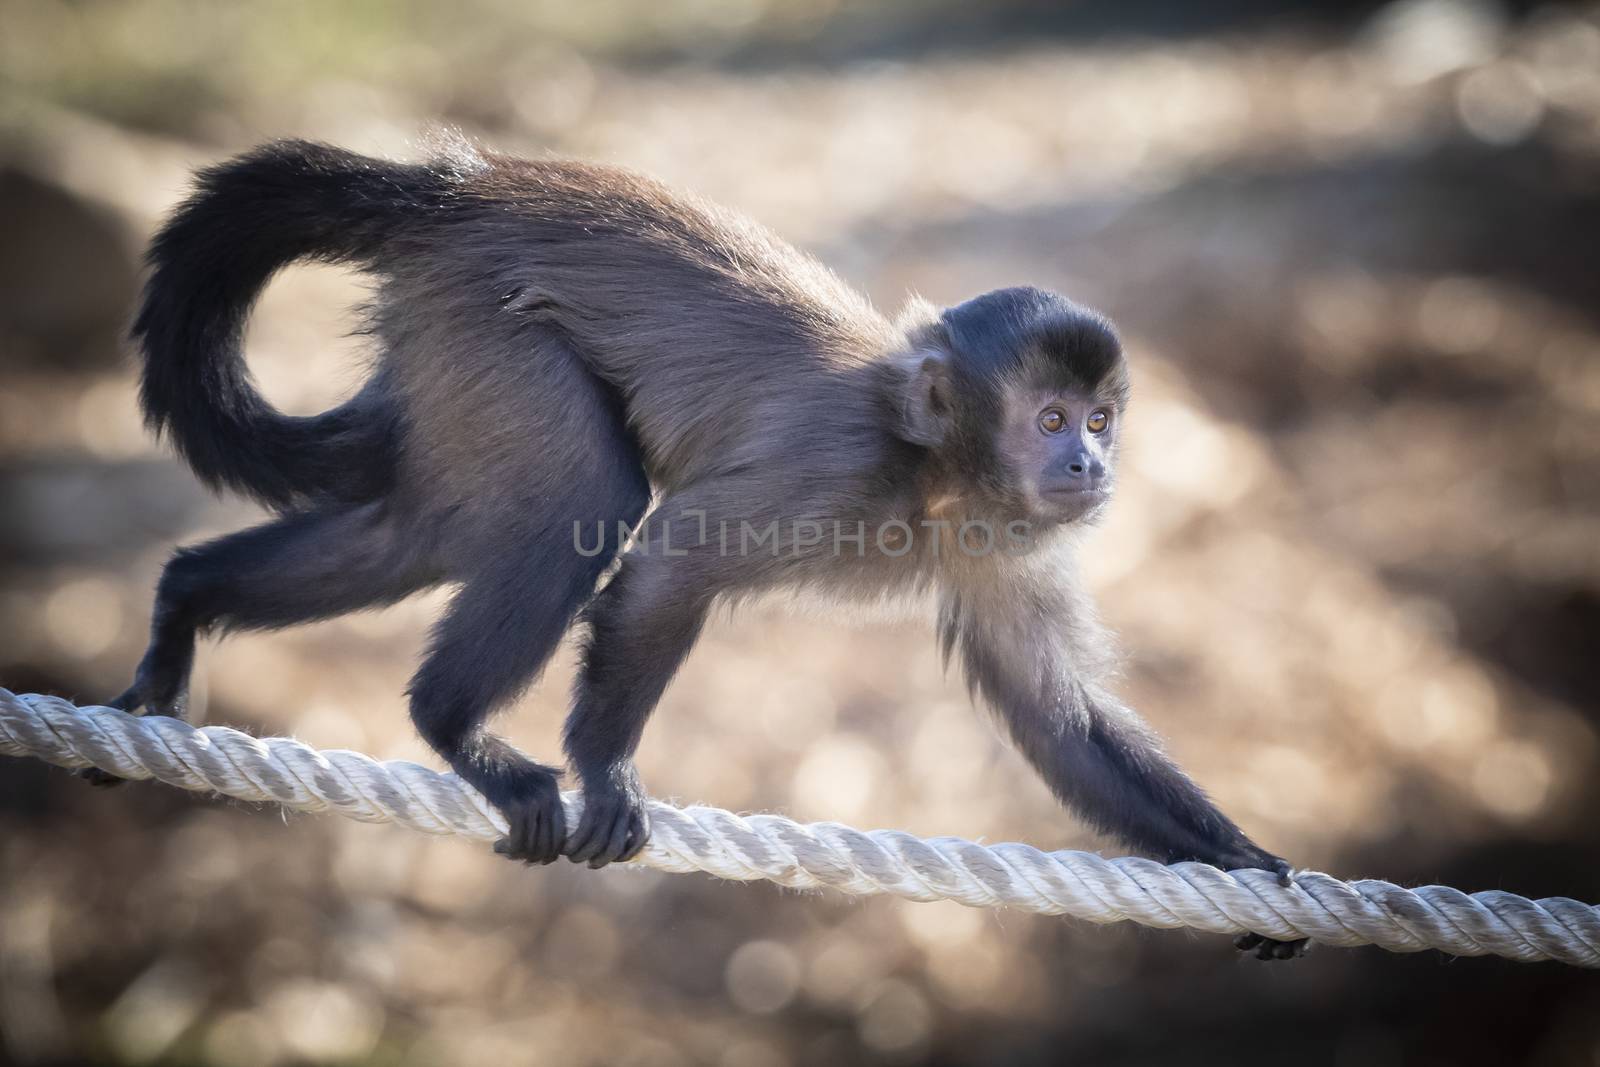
1355, 561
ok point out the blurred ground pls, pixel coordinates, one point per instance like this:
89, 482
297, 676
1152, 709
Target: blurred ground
1355, 563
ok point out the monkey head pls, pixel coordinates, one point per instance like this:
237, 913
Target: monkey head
1018, 394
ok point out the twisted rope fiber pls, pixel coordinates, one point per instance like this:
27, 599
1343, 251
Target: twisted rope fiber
284, 771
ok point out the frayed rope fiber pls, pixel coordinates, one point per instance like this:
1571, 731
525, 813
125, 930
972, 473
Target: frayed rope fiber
284, 771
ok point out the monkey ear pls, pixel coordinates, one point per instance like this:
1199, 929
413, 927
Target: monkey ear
926, 406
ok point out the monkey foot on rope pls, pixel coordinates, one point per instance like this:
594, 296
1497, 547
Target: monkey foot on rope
1080, 884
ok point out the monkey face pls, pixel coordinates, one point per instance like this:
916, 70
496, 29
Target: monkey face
1034, 386
1058, 447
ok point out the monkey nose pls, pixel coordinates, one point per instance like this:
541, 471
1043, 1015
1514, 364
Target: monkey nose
1083, 469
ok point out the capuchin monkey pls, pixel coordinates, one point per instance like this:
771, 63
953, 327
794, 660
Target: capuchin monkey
560, 345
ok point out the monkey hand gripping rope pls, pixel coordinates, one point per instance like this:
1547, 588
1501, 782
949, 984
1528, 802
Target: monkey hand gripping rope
810, 856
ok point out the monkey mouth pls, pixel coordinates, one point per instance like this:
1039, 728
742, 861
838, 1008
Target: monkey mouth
1074, 494
1069, 504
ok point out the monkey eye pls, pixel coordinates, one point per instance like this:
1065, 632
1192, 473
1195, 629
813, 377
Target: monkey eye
1052, 420
1097, 421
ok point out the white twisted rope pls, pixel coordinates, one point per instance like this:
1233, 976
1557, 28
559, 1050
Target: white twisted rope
1081, 884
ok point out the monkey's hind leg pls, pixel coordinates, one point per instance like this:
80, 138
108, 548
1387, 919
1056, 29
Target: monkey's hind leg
497, 637
303, 566
642, 627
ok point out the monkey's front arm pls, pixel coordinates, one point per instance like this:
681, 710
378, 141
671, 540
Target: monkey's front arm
1095, 754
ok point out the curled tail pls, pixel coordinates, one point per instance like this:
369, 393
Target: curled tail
248, 218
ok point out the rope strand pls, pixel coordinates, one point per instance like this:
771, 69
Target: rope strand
809, 856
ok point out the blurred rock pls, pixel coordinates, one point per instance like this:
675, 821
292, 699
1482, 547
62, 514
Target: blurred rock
68, 277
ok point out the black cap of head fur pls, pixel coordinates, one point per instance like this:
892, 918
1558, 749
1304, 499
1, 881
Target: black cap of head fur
1033, 334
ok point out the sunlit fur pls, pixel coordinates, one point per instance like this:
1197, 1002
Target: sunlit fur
563, 344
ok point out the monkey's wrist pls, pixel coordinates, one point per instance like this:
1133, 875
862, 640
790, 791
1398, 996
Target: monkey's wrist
619, 777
